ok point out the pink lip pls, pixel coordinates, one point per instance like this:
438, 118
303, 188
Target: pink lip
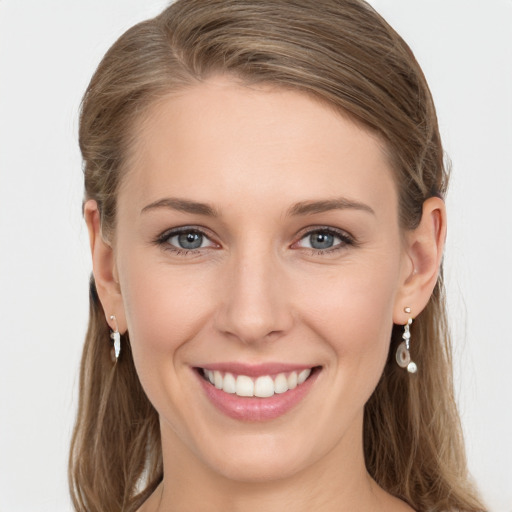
256, 409
255, 370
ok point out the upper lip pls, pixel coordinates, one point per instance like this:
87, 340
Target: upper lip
255, 370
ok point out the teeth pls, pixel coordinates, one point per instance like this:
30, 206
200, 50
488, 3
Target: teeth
281, 383
229, 383
244, 386
217, 380
263, 387
292, 380
303, 375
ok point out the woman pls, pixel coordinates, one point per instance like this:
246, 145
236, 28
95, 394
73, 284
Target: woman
264, 184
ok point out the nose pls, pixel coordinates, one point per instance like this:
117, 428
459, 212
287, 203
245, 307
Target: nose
255, 306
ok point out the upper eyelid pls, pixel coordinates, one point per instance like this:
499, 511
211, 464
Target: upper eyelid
185, 229
328, 229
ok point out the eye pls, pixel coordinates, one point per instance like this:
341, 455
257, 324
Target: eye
319, 240
324, 240
188, 240
185, 240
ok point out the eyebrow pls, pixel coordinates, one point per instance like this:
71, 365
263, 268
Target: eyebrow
298, 209
341, 203
182, 205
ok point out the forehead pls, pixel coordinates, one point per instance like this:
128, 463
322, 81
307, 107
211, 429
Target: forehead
227, 142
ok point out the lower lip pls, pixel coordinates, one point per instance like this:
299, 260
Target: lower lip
255, 408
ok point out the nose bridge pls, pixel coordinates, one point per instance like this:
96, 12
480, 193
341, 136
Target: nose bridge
255, 304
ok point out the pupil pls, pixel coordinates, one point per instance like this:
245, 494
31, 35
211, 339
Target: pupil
321, 240
190, 240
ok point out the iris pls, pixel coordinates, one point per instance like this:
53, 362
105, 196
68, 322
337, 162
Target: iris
321, 240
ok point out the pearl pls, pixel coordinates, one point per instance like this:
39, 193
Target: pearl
412, 368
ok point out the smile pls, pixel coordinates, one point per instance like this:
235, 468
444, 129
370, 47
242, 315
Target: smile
256, 394
263, 386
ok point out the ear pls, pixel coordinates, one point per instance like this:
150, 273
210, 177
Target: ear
424, 251
104, 268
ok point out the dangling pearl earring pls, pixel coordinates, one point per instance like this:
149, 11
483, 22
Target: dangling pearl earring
403, 356
116, 337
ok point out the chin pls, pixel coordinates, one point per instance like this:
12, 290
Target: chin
259, 467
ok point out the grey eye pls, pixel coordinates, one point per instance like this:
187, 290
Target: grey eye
321, 240
189, 240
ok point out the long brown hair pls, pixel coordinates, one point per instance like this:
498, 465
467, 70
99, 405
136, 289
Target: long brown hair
344, 54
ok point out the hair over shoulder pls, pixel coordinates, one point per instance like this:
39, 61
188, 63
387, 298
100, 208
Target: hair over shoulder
344, 54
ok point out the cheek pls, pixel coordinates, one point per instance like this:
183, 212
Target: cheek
164, 310
352, 309
351, 315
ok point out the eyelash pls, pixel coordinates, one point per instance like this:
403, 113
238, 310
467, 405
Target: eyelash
343, 236
345, 240
163, 240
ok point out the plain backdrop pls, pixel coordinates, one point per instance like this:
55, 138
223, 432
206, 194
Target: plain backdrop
48, 52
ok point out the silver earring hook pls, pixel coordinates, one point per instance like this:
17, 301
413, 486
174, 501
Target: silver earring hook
114, 319
116, 337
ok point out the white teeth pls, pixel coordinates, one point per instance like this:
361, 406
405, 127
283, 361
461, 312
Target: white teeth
292, 380
229, 385
263, 387
303, 375
217, 376
244, 386
281, 383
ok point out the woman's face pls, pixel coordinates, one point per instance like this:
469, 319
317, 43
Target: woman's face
257, 237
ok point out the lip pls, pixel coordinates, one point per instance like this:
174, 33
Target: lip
255, 370
254, 409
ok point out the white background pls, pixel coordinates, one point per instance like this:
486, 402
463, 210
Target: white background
48, 51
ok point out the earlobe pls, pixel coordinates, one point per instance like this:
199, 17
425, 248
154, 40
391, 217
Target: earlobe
104, 267
424, 246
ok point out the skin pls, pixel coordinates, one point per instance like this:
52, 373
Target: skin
256, 293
